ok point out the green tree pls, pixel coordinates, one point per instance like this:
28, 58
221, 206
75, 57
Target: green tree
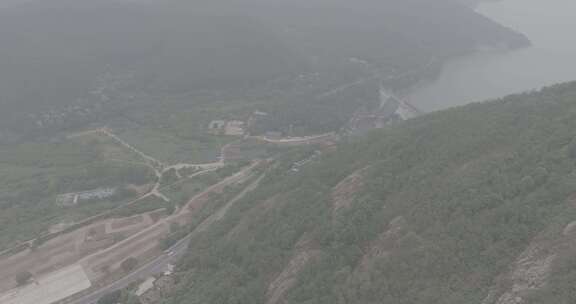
23, 278
111, 298
129, 264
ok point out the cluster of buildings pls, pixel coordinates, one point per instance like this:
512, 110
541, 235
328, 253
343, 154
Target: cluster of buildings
258, 123
229, 128
74, 198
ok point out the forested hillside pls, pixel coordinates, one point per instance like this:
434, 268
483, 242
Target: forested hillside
60, 53
471, 205
67, 63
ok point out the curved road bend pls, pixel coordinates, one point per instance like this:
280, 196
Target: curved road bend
156, 266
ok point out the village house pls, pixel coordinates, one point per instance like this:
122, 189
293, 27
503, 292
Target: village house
216, 127
229, 128
72, 199
235, 128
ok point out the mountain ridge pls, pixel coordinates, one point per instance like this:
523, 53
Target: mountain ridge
446, 211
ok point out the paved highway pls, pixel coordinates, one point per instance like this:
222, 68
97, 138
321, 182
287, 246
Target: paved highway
160, 264
156, 266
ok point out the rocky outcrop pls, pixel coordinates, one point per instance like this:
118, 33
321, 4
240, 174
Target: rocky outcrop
532, 270
163, 287
304, 254
397, 235
344, 193
385, 243
530, 273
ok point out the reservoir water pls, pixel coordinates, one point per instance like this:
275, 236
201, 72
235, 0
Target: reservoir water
550, 25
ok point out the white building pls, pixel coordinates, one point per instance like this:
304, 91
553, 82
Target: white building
235, 128
147, 285
71, 199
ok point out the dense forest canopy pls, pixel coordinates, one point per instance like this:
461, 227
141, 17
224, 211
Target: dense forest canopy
467, 205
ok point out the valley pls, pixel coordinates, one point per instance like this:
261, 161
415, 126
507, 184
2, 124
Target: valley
280, 152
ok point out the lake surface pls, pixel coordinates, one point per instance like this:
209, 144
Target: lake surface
550, 25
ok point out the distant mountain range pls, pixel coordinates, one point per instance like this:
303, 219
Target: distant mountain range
55, 51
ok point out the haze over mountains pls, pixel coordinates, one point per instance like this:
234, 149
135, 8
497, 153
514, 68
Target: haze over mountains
255, 152
55, 52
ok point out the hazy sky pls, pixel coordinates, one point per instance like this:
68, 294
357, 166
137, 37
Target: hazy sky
6, 3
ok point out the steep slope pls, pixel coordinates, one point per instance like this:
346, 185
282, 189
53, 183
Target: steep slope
469, 205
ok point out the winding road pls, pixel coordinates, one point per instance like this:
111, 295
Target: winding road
177, 251
156, 266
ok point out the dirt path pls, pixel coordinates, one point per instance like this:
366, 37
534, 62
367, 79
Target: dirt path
153, 162
159, 167
163, 225
303, 140
178, 250
220, 214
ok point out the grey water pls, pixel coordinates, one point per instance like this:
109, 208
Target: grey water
490, 74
